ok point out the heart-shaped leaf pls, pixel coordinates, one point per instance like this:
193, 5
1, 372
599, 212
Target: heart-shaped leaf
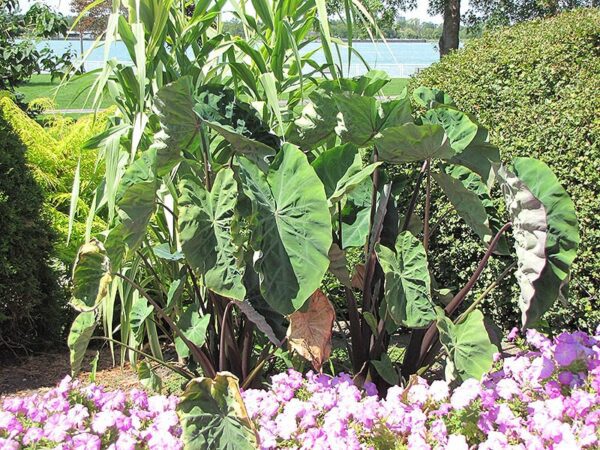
80, 334
291, 228
213, 415
193, 326
91, 276
205, 232
459, 127
341, 171
410, 142
468, 344
407, 282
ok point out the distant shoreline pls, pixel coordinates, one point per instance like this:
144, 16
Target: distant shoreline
389, 41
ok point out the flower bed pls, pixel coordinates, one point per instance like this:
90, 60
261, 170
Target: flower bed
546, 397
75, 416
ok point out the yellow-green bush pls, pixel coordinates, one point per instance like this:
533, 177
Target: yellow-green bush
536, 86
53, 153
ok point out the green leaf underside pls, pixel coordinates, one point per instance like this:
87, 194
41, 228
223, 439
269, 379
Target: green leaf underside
468, 344
546, 234
407, 282
213, 415
410, 142
205, 232
80, 334
91, 276
291, 228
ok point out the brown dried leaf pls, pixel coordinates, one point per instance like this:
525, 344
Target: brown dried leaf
309, 333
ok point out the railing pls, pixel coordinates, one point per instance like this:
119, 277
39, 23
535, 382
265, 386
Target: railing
394, 70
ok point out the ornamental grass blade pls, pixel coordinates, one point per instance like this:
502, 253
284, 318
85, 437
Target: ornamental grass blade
309, 333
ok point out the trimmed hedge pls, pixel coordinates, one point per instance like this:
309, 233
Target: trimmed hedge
30, 299
536, 87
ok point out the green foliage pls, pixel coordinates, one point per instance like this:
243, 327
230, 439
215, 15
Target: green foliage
30, 300
534, 85
53, 154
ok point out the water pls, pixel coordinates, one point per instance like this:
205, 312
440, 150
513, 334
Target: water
399, 59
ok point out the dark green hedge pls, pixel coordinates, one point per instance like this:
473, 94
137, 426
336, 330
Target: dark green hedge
536, 86
30, 298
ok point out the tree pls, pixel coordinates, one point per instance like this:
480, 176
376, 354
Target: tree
95, 19
19, 33
493, 13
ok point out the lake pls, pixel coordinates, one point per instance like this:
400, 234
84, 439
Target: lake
399, 59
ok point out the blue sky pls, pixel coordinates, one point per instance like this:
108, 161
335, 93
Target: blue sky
420, 12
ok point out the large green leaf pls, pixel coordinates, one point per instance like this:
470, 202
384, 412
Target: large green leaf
193, 326
466, 202
354, 233
213, 415
468, 344
407, 282
471, 199
358, 118
174, 105
80, 334
431, 97
291, 227
136, 202
394, 112
341, 171
91, 276
546, 234
205, 232
482, 158
410, 142
459, 127
316, 123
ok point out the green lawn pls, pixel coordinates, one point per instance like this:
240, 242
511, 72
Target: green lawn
73, 95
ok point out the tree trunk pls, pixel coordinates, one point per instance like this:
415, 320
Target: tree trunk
451, 27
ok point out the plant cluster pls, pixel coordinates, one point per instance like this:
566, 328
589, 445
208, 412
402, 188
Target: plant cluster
534, 86
78, 416
546, 396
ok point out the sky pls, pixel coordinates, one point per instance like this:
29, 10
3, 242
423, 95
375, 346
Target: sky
64, 6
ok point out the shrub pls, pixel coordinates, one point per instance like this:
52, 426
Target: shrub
53, 153
535, 86
30, 309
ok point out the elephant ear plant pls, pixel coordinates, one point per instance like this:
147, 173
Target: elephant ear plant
224, 232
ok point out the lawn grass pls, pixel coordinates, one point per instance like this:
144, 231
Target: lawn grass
73, 95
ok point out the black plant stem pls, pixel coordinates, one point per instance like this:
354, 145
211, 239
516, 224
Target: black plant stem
246, 347
197, 353
413, 199
224, 334
427, 207
431, 335
205, 147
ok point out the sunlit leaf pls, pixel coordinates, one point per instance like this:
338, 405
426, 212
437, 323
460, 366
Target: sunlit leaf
410, 142
291, 228
213, 415
91, 276
81, 331
193, 326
